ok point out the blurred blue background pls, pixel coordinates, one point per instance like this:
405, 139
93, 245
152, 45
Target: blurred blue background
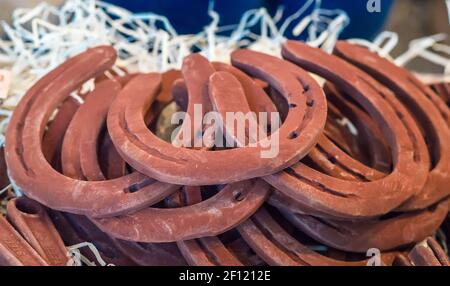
191, 16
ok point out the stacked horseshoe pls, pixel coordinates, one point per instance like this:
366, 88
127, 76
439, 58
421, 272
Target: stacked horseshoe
106, 177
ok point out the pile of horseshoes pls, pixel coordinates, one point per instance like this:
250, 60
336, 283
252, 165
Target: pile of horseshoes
98, 172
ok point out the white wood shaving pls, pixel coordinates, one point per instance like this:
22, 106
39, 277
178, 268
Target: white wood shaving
41, 38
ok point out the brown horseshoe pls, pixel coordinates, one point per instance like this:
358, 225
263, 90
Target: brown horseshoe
209, 251
428, 253
148, 154
326, 150
77, 229
79, 152
72, 228
92, 115
14, 250
29, 168
384, 234
52, 141
428, 109
211, 217
151, 254
72, 236
443, 90
31, 220
205, 251
342, 136
275, 246
333, 196
234, 203
370, 134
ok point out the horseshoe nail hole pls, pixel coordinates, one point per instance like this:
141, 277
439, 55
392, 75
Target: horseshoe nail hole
306, 88
138, 186
293, 135
238, 196
27, 206
292, 105
382, 95
310, 103
332, 159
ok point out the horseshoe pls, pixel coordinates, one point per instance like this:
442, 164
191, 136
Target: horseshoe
443, 90
356, 233
83, 230
328, 151
14, 250
253, 94
371, 135
205, 251
151, 254
341, 135
163, 161
211, 217
192, 249
275, 246
77, 229
148, 254
236, 202
31, 220
349, 199
52, 141
79, 151
429, 110
4, 180
380, 233
210, 251
92, 114
428, 253
28, 166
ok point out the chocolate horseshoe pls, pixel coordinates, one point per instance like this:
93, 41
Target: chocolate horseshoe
429, 110
428, 253
205, 251
31, 220
163, 161
275, 246
247, 200
370, 134
349, 199
14, 250
382, 234
27, 164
